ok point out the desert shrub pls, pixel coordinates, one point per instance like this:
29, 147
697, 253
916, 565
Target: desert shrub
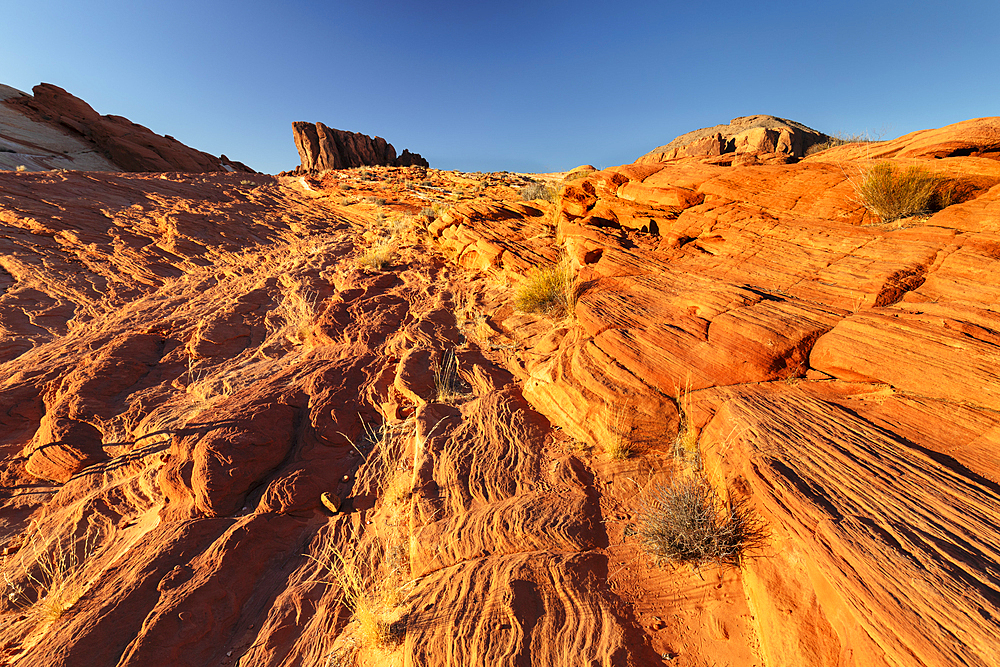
21, 167
537, 191
428, 212
549, 290
686, 522
379, 256
892, 193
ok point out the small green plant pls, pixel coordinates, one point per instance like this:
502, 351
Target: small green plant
686, 522
549, 290
537, 191
892, 193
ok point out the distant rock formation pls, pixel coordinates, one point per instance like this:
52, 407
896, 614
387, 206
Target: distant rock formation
746, 140
124, 145
321, 147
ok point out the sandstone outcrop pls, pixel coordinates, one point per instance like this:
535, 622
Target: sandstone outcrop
124, 145
321, 148
254, 439
744, 141
821, 358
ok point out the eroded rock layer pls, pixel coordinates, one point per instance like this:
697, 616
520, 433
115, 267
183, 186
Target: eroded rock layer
321, 148
744, 141
299, 420
54, 129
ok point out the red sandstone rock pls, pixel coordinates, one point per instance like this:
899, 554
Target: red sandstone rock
130, 146
746, 140
321, 148
194, 364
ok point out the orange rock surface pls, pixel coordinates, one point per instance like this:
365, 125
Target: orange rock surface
231, 434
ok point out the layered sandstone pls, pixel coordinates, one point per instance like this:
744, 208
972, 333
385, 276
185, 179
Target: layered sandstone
211, 396
321, 148
54, 129
745, 140
838, 371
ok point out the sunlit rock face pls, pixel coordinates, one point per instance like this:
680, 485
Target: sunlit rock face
321, 147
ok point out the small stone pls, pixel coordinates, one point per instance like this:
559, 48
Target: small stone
331, 502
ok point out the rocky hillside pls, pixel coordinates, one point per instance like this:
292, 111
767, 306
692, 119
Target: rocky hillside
52, 129
306, 420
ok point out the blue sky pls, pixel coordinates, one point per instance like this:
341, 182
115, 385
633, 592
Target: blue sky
517, 86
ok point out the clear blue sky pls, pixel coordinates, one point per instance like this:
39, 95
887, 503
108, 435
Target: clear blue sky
519, 86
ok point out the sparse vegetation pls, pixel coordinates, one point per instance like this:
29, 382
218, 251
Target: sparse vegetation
537, 191
370, 604
447, 383
379, 256
53, 580
296, 313
619, 445
893, 193
21, 167
840, 139
686, 522
549, 290
686, 443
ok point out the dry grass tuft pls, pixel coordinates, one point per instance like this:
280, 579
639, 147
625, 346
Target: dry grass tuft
295, 315
549, 291
538, 191
686, 522
379, 257
892, 193
370, 604
53, 580
447, 382
686, 448
618, 424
